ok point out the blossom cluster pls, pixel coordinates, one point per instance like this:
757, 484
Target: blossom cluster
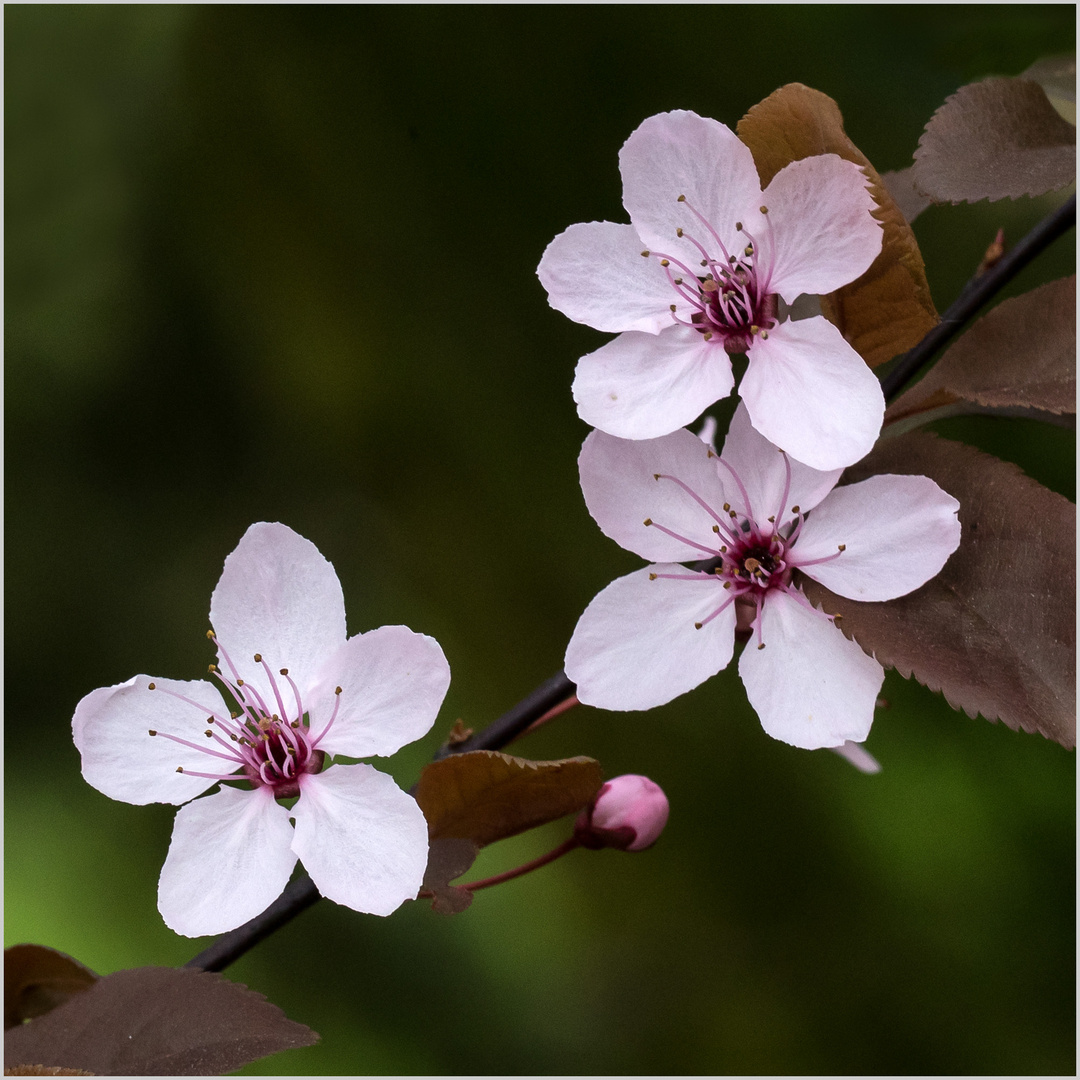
709, 267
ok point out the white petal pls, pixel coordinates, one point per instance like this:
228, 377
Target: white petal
361, 838
681, 153
636, 645
229, 859
618, 480
856, 754
810, 686
111, 728
392, 681
280, 598
766, 475
641, 386
809, 392
595, 274
898, 531
819, 219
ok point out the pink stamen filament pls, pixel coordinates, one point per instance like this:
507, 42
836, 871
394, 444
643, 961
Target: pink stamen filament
330, 723
726, 604
742, 490
681, 539
816, 562
202, 749
273, 685
683, 577
210, 776
696, 497
715, 235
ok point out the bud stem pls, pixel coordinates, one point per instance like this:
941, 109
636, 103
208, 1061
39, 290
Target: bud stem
508, 875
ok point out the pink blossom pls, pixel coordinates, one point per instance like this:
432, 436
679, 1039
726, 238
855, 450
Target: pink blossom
292, 690
659, 632
720, 254
629, 813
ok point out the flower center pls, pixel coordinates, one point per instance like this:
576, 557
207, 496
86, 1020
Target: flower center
728, 293
268, 747
752, 559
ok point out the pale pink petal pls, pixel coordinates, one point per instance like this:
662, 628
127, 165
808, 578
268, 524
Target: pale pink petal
361, 838
810, 686
111, 728
280, 598
809, 392
681, 153
856, 754
392, 681
618, 480
229, 859
819, 230
897, 533
764, 474
641, 386
594, 273
636, 645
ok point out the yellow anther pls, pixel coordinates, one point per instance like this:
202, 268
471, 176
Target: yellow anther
152, 731
841, 547
284, 671
678, 232
664, 262
697, 626
258, 658
647, 521
681, 198
151, 686
652, 577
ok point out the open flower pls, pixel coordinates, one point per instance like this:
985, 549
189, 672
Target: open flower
760, 517
297, 691
718, 254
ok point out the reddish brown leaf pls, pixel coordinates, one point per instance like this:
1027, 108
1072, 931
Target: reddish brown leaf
887, 310
44, 1070
995, 631
448, 859
157, 1022
996, 139
1021, 355
485, 796
37, 979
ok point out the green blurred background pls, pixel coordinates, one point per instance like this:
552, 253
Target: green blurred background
279, 264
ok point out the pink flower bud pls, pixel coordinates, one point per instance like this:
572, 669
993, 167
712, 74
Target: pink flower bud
629, 813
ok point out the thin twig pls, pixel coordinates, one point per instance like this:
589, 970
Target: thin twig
301, 893
976, 293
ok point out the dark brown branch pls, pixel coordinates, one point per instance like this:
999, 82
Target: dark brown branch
977, 292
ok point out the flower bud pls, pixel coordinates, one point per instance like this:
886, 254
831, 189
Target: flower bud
628, 813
